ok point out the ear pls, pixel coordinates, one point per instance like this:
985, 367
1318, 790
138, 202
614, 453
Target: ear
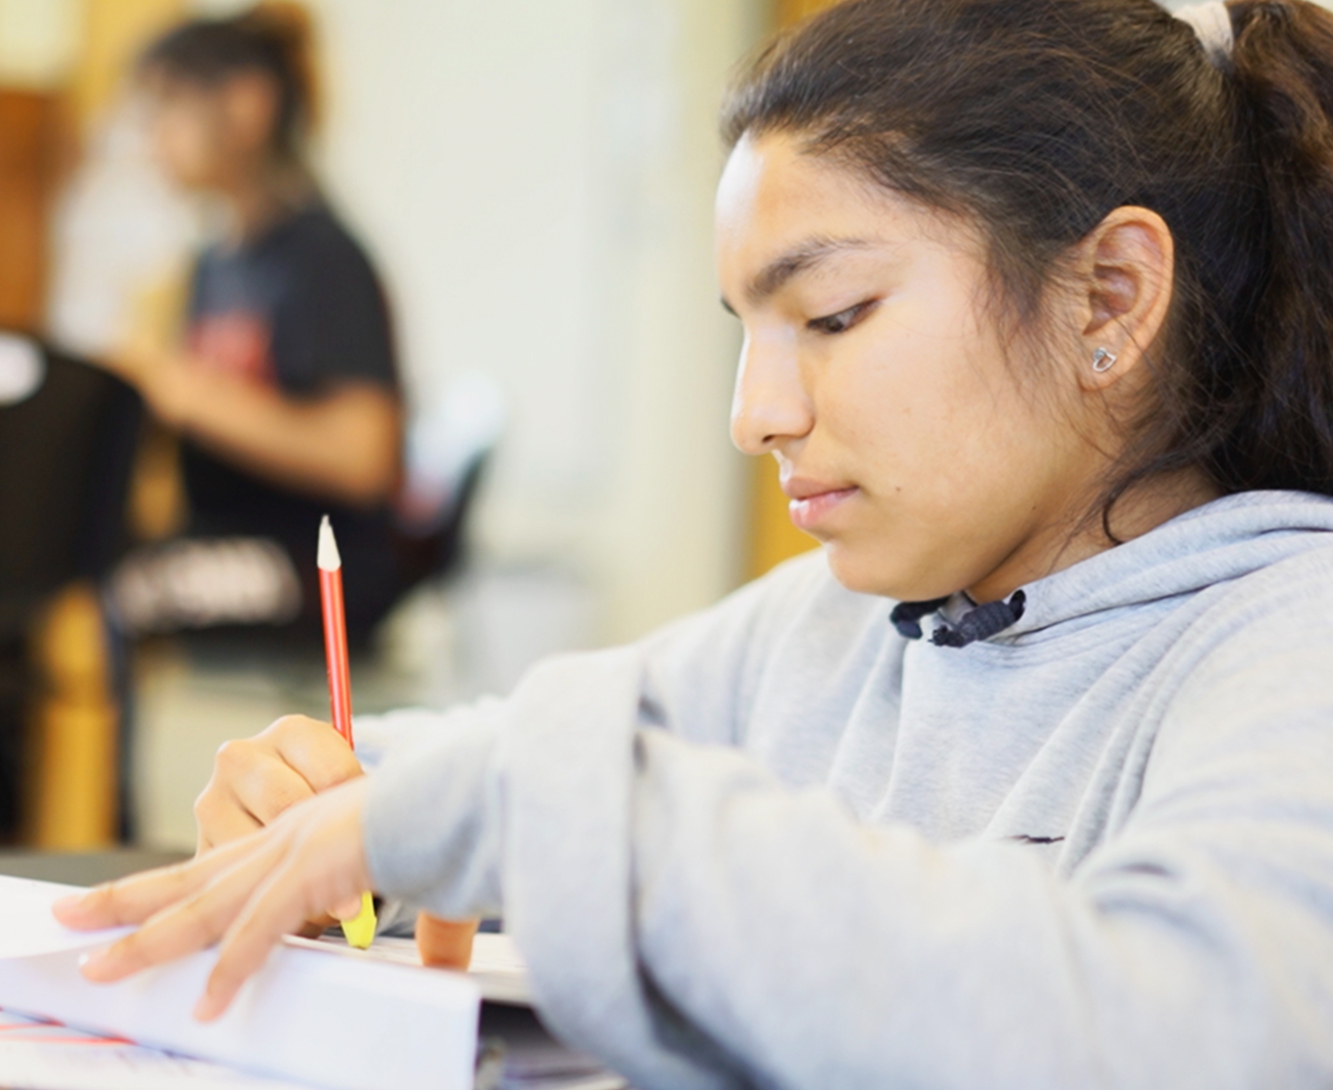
1126, 276
250, 103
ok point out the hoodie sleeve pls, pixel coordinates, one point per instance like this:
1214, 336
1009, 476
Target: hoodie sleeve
699, 924
699, 673
1193, 948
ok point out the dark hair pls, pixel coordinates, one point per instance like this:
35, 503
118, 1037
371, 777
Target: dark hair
1039, 117
272, 38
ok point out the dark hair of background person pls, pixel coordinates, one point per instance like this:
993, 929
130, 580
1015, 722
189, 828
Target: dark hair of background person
274, 39
1039, 117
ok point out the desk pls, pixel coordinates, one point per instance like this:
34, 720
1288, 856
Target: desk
84, 868
530, 1048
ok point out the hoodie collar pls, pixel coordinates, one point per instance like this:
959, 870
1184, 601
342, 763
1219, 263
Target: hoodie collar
1215, 543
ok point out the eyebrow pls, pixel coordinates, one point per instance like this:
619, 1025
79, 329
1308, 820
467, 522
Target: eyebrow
808, 255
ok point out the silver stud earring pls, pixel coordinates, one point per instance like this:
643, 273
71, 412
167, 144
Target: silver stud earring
1103, 361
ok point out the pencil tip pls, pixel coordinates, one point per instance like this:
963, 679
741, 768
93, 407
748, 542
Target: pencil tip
328, 557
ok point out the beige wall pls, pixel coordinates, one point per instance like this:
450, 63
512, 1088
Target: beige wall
537, 178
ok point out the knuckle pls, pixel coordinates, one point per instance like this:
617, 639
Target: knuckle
129, 952
198, 921
281, 798
111, 901
287, 725
233, 754
180, 875
101, 898
205, 804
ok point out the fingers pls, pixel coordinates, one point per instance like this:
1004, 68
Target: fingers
250, 893
275, 909
133, 900
315, 750
221, 825
191, 924
221, 815
325, 864
256, 779
265, 786
347, 910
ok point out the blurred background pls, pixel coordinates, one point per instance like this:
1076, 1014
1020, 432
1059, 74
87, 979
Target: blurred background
498, 215
532, 183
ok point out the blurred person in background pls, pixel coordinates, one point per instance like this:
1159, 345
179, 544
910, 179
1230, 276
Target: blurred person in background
284, 386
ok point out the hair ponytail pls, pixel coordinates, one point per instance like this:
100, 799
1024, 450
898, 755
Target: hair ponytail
275, 37
1283, 67
1039, 117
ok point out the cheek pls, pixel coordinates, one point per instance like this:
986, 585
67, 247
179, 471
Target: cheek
915, 401
185, 150
950, 453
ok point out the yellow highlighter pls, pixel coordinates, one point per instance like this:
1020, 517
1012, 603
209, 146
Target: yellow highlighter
360, 931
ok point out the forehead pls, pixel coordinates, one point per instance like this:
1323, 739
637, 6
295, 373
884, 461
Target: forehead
774, 197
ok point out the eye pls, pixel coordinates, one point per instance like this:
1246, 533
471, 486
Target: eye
840, 322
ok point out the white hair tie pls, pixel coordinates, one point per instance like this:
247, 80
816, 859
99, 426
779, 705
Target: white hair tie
1212, 23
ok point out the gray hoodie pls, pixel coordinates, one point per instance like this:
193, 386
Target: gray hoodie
777, 844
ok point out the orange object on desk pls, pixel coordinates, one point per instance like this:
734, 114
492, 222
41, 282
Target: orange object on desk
445, 944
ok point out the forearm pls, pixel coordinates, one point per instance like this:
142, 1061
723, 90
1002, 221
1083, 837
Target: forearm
344, 445
444, 827
821, 952
684, 914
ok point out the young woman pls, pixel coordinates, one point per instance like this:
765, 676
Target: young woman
285, 385
1037, 300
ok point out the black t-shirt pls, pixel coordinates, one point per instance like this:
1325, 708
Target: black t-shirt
299, 309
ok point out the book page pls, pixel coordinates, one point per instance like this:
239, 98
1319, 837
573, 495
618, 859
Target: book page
350, 1024
41, 1055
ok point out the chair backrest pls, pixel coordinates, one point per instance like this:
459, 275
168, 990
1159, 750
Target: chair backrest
67, 447
449, 447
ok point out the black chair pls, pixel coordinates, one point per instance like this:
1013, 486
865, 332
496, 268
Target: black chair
68, 438
442, 551
66, 454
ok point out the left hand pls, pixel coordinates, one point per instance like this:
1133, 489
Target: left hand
248, 894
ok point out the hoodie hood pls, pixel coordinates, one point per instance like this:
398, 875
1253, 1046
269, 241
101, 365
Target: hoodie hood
1219, 542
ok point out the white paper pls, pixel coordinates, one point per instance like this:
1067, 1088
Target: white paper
497, 967
341, 1023
48, 1056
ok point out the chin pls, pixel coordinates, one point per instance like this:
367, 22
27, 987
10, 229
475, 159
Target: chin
864, 571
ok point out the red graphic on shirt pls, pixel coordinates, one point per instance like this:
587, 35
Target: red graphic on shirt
237, 342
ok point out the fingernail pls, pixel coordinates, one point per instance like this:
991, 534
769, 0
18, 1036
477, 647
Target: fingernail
206, 1009
67, 904
93, 965
348, 910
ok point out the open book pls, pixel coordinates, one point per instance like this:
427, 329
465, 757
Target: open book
309, 1016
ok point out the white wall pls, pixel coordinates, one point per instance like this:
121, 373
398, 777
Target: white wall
536, 179
38, 41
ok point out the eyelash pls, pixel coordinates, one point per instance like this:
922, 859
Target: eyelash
841, 322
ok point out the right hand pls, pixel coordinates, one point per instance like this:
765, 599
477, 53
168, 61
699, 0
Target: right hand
245, 895
256, 779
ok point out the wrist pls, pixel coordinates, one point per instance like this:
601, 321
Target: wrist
433, 822
171, 391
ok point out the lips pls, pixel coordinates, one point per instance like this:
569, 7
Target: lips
813, 502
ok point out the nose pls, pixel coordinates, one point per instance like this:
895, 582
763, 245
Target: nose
769, 406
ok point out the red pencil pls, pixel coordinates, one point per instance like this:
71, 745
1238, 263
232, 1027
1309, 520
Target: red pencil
360, 930
335, 631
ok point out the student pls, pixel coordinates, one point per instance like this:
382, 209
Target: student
1037, 300
285, 385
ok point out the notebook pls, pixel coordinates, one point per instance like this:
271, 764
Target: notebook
309, 1016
